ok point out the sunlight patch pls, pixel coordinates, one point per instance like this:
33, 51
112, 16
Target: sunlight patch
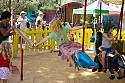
71, 76
86, 73
39, 71
59, 82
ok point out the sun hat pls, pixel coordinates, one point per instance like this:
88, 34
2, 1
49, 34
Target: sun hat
22, 12
41, 13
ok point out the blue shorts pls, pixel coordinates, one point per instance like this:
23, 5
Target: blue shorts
108, 50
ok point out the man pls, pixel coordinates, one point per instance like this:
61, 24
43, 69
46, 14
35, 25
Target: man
22, 20
33, 17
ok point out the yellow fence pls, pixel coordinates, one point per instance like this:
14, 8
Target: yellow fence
39, 34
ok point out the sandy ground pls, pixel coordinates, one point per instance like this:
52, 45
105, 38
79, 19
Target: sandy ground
48, 68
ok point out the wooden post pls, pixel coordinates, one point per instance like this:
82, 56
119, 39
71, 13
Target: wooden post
84, 25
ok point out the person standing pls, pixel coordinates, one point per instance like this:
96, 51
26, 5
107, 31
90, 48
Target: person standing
33, 17
5, 28
22, 20
39, 21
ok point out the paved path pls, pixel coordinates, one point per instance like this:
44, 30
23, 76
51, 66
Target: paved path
47, 68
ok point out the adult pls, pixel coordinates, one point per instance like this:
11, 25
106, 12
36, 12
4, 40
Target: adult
39, 21
33, 17
22, 20
5, 30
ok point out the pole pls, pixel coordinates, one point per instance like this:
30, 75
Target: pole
100, 12
84, 25
121, 15
21, 74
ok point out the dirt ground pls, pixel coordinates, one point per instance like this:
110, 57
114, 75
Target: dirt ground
48, 68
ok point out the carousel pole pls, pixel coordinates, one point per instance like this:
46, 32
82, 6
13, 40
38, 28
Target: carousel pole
84, 25
11, 2
100, 12
120, 19
22, 52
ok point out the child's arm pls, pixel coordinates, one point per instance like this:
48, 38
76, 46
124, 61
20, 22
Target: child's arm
41, 42
108, 38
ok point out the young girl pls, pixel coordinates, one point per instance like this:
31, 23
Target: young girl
59, 34
107, 42
5, 56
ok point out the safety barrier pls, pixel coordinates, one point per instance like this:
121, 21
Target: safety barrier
37, 35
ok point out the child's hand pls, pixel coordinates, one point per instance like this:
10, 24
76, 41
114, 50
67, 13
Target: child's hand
115, 41
35, 45
115, 36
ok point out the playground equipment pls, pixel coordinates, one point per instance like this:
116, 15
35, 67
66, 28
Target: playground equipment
83, 60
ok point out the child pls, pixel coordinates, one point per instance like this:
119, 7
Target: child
5, 56
59, 34
107, 42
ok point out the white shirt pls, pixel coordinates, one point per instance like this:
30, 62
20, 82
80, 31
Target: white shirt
22, 22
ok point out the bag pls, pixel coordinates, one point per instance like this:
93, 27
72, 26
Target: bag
83, 60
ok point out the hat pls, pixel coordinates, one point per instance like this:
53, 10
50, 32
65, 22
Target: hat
22, 12
41, 13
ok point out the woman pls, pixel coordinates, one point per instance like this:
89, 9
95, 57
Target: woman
5, 30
